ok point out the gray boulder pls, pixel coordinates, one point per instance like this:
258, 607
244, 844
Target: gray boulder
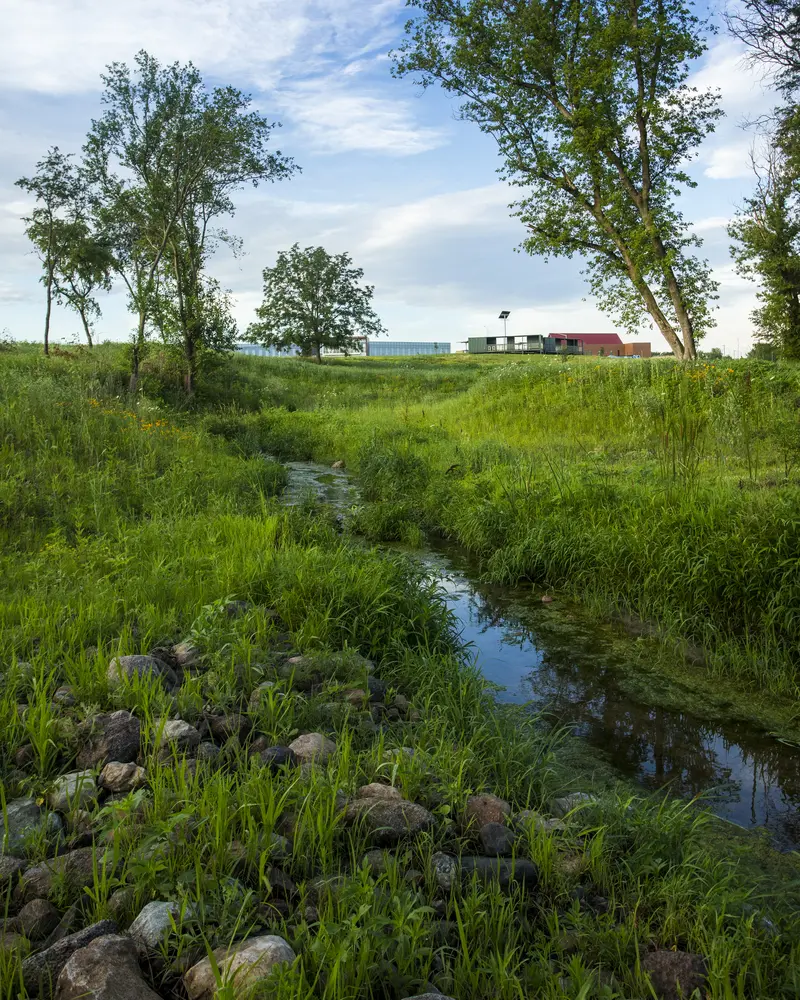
105, 969
567, 803
449, 870
154, 924
122, 778
247, 963
75, 870
23, 821
126, 668
483, 809
675, 974
388, 818
278, 757
116, 736
313, 748
497, 839
186, 654
40, 971
73, 791
176, 736
10, 870
38, 919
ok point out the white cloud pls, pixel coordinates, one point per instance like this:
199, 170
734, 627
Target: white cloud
730, 160
334, 120
725, 68
473, 209
711, 224
61, 46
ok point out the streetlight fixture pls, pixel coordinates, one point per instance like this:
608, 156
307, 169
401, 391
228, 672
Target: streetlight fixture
504, 317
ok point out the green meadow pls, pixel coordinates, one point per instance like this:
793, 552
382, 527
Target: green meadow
142, 525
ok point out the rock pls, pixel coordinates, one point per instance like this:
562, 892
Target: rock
376, 688
377, 861
430, 996
246, 964
497, 839
313, 748
280, 883
388, 819
64, 696
41, 970
38, 919
356, 697
116, 737
23, 821
235, 609
675, 974
208, 752
223, 727
310, 914
483, 809
11, 942
338, 464
529, 816
401, 704
546, 599
448, 870
122, 778
120, 904
379, 791
73, 791
258, 694
186, 654
105, 969
25, 756
561, 807
176, 737
10, 870
277, 757
125, 668
154, 924
75, 870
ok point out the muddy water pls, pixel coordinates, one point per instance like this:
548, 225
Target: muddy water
592, 678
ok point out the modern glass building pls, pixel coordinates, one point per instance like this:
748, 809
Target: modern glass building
400, 348
265, 352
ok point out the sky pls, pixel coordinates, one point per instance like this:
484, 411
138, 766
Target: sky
389, 173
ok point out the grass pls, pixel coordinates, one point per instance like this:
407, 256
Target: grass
667, 492
130, 525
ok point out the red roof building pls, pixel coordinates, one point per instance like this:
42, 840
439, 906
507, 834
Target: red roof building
603, 344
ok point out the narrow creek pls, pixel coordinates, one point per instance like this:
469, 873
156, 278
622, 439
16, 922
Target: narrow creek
590, 678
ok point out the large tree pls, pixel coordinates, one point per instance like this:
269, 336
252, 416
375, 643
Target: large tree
312, 300
56, 186
166, 156
767, 242
771, 31
595, 122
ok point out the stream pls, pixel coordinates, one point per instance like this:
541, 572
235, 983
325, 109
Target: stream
589, 677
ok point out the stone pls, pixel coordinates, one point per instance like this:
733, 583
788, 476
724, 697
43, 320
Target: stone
11, 942
259, 694
125, 668
121, 903
246, 964
483, 809
567, 803
176, 737
41, 970
223, 727
338, 464
379, 791
75, 869
377, 861
73, 791
10, 870
208, 752
23, 821
313, 748
356, 697
186, 654
116, 737
64, 696
530, 817
25, 756
449, 870
376, 688
122, 778
497, 839
105, 969
401, 704
235, 609
675, 974
154, 924
546, 599
310, 914
38, 919
389, 820
280, 884
278, 757
430, 996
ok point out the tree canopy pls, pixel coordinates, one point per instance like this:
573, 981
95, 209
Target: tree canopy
314, 300
595, 122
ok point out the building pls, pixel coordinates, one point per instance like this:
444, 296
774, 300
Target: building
554, 343
371, 348
590, 344
265, 352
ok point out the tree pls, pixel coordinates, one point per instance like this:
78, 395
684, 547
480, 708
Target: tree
767, 243
83, 267
182, 150
771, 31
56, 186
590, 108
313, 299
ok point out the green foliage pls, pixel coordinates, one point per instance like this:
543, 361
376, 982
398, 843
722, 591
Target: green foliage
313, 300
594, 119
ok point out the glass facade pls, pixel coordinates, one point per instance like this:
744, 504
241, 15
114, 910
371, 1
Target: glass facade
400, 348
265, 352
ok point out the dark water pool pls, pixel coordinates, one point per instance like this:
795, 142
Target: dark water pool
590, 678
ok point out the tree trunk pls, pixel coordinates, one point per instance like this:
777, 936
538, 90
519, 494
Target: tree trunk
316, 353
48, 312
190, 355
791, 341
86, 327
133, 385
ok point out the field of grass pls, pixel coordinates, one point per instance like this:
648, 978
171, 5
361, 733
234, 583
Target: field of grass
670, 493
130, 525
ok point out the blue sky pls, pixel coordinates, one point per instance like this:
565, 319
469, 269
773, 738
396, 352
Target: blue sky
389, 173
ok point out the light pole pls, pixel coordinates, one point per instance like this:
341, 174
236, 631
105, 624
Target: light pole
504, 317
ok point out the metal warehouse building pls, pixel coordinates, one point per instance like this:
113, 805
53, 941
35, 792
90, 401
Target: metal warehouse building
397, 348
